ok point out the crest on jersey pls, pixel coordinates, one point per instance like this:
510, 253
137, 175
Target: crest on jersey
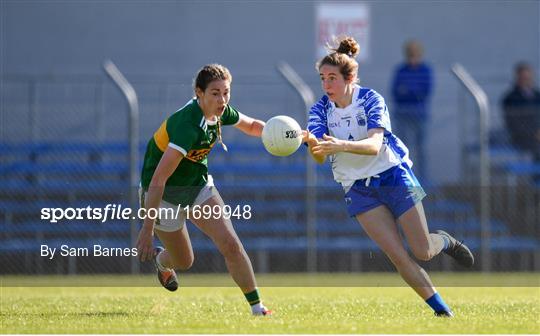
211, 136
361, 118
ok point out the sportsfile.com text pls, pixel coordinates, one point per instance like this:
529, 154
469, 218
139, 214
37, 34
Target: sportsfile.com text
119, 212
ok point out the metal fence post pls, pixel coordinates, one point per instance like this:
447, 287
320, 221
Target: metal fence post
481, 100
133, 135
311, 174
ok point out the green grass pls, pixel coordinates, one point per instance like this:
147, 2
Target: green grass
304, 309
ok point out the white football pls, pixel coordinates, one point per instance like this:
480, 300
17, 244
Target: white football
281, 136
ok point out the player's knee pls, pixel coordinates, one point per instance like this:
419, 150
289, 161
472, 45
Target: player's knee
182, 262
185, 263
232, 247
424, 254
399, 258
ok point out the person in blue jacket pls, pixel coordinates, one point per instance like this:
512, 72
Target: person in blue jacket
411, 91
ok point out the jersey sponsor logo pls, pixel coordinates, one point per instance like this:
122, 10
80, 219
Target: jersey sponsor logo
198, 155
334, 124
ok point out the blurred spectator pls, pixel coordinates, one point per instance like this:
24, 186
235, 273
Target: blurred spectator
521, 107
411, 90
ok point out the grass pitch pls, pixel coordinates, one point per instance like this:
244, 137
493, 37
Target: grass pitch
298, 310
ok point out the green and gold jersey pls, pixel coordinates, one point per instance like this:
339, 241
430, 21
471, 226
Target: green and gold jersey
191, 134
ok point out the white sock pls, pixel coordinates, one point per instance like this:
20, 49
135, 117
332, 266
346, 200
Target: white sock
257, 308
159, 265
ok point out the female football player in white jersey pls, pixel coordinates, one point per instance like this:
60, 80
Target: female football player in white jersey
350, 125
175, 176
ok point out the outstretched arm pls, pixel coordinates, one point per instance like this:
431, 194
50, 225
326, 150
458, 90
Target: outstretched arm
368, 146
250, 126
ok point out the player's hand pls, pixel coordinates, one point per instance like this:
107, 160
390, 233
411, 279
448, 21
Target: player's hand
145, 243
328, 146
305, 135
309, 138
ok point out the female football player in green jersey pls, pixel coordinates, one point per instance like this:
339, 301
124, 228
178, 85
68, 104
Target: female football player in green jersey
175, 174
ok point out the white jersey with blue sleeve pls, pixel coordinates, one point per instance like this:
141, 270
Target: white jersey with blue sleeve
367, 110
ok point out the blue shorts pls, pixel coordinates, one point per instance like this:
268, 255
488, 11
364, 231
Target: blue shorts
397, 188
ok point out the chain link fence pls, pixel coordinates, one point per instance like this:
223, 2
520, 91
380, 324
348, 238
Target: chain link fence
63, 145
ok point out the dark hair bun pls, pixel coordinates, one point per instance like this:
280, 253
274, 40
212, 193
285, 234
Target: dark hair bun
348, 46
